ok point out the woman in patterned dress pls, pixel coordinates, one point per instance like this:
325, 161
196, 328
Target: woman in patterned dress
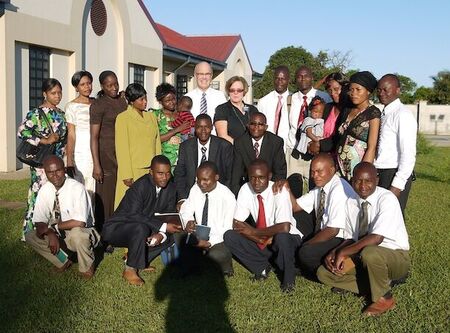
78, 152
170, 137
360, 125
36, 131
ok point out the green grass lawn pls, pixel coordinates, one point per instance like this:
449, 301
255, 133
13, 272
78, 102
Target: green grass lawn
33, 299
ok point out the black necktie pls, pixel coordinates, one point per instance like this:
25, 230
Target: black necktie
205, 211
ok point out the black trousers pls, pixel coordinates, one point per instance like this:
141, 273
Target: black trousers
191, 256
282, 250
133, 235
385, 177
311, 255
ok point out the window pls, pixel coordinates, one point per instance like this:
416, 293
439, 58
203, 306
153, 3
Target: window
215, 85
38, 71
138, 76
182, 83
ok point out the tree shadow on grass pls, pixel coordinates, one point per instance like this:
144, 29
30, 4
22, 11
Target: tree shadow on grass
33, 299
196, 302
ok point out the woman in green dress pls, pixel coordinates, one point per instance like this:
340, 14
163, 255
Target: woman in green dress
170, 137
36, 131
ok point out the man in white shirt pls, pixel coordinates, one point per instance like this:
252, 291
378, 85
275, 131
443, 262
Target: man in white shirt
377, 243
298, 112
274, 104
275, 235
327, 199
204, 98
396, 153
210, 204
63, 212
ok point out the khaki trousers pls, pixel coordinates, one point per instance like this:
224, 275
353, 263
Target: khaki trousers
378, 267
79, 240
298, 166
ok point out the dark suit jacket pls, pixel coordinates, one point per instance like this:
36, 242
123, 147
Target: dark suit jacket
271, 151
140, 204
220, 152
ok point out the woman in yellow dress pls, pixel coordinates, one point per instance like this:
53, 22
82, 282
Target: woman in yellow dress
137, 140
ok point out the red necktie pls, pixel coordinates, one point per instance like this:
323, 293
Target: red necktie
277, 115
261, 222
302, 114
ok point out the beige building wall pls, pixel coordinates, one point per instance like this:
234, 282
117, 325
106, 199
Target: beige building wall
239, 64
64, 27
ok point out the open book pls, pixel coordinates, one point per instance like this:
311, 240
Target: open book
174, 218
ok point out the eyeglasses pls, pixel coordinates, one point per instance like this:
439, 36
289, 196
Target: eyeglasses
203, 74
254, 123
236, 91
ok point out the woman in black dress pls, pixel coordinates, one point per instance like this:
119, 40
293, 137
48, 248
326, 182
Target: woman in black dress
232, 117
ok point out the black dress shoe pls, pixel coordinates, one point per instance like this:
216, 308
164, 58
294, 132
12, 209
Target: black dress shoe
399, 281
263, 275
228, 273
288, 288
339, 291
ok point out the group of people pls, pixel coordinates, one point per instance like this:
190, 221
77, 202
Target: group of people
156, 179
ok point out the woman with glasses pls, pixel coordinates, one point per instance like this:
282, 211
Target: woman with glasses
232, 117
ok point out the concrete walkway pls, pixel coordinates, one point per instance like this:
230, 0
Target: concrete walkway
16, 175
12, 204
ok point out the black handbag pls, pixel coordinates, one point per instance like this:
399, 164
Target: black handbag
34, 155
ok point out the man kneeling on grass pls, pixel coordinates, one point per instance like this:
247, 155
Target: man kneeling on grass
63, 212
209, 208
274, 235
376, 253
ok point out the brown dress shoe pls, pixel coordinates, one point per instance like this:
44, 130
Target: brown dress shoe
379, 307
89, 274
63, 268
132, 277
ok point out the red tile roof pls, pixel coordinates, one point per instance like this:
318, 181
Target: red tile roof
213, 47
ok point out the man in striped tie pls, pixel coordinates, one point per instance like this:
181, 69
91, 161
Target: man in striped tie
205, 99
377, 243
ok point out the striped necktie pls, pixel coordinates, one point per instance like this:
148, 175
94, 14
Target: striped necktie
203, 150
203, 105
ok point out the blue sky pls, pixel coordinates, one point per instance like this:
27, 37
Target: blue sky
410, 37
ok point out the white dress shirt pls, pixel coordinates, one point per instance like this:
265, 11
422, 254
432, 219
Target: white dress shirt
397, 142
260, 141
213, 99
74, 203
199, 151
385, 219
296, 104
277, 207
268, 106
221, 204
337, 191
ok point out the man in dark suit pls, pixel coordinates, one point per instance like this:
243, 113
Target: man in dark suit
257, 143
134, 225
205, 147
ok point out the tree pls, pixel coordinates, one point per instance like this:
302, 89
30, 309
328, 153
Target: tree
441, 88
407, 86
292, 57
423, 94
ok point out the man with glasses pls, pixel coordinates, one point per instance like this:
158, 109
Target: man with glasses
205, 99
257, 143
